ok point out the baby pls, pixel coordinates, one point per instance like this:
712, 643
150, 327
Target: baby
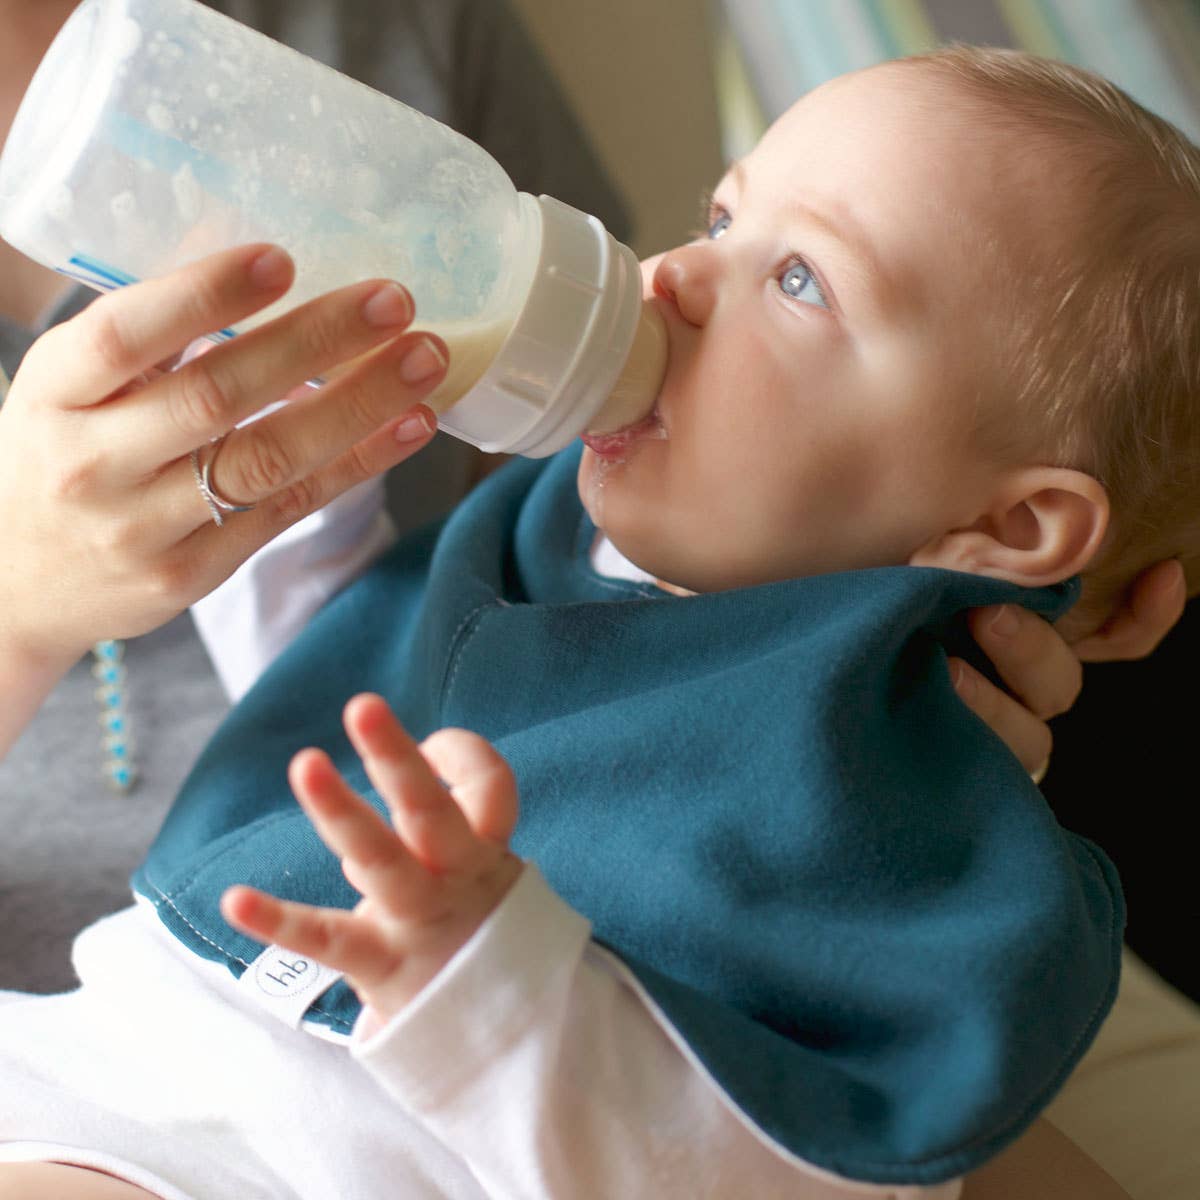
897, 343
778, 917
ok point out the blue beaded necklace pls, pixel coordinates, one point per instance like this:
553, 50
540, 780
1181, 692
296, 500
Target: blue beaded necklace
119, 769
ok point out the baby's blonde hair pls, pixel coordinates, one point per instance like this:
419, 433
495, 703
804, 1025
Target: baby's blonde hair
1106, 368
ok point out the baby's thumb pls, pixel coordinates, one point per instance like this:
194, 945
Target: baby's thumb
479, 779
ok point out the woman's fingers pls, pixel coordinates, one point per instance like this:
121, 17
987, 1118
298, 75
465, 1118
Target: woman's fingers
123, 334
1025, 735
294, 460
187, 555
269, 455
216, 391
1153, 605
1044, 673
1037, 666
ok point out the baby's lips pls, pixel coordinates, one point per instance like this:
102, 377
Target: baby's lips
613, 445
606, 445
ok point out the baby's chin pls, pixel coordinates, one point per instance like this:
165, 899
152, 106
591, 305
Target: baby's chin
605, 457
590, 482
594, 506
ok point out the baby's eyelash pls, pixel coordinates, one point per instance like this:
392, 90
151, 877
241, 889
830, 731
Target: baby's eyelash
710, 211
798, 260
706, 217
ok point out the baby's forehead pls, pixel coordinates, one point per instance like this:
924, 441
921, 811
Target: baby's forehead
982, 167
927, 104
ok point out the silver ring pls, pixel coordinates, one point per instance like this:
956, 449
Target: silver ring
202, 473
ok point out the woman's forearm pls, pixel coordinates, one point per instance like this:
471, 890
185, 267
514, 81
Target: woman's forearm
25, 682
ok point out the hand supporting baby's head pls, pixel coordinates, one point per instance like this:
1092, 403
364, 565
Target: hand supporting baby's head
941, 314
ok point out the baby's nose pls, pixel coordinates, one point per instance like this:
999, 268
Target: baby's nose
687, 276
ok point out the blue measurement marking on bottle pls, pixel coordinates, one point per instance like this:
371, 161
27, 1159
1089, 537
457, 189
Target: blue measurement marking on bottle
95, 273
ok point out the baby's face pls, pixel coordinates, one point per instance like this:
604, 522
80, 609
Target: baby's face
827, 340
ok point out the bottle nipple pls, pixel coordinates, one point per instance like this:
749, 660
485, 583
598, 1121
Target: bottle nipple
636, 389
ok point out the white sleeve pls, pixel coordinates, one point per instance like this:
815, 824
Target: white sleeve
260, 608
536, 1057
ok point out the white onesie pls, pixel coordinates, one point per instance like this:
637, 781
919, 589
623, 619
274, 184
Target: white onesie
533, 1067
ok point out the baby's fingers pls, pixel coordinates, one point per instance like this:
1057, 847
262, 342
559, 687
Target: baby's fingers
423, 812
135, 328
332, 936
479, 779
374, 860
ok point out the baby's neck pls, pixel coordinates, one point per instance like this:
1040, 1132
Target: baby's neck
608, 560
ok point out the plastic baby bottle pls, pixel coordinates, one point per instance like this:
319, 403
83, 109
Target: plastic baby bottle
158, 131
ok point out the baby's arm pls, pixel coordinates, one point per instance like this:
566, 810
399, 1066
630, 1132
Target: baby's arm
491, 1015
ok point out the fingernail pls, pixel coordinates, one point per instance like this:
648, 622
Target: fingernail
271, 269
415, 426
389, 305
964, 685
422, 362
1175, 587
1004, 623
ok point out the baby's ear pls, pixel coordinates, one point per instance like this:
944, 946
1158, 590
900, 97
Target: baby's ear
1045, 525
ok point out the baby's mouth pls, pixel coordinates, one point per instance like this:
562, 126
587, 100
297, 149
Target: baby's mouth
612, 446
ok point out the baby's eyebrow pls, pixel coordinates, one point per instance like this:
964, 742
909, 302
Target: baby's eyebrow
862, 261
872, 280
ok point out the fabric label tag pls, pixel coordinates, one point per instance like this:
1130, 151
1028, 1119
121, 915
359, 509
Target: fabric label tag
286, 984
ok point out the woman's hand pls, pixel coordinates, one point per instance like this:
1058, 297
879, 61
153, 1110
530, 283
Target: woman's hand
1043, 672
428, 880
103, 530
1043, 1164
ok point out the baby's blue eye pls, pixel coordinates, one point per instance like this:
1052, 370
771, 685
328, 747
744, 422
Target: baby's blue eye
719, 224
799, 282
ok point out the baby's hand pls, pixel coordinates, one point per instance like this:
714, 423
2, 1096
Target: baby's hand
427, 886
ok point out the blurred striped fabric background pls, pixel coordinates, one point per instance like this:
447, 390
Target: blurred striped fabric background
772, 51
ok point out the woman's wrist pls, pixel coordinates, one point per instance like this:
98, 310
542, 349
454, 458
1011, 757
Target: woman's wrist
27, 677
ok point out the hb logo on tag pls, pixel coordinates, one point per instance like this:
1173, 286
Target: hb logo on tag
278, 976
286, 984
